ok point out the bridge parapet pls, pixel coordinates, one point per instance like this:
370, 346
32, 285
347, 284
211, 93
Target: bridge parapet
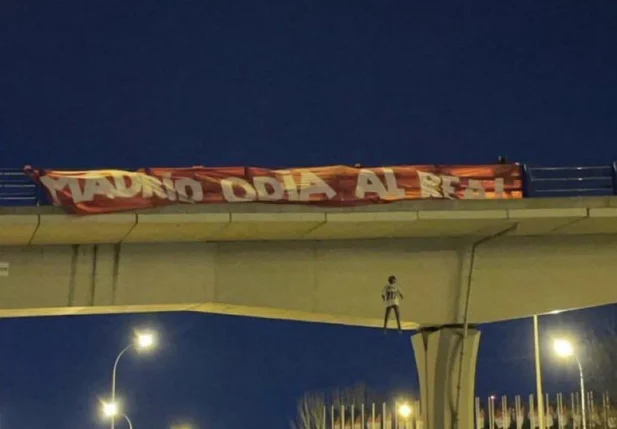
586, 206
17, 189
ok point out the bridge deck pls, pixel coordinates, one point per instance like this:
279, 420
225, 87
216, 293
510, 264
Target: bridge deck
262, 222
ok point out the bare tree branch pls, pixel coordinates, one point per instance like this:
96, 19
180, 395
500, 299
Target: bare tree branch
598, 355
348, 396
310, 411
311, 408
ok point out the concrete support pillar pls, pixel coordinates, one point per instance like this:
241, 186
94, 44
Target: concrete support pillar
438, 353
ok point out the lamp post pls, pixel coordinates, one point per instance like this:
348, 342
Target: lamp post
142, 341
539, 393
565, 349
111, 410
128, 421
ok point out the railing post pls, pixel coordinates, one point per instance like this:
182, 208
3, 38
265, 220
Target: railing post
614, 175
527, 180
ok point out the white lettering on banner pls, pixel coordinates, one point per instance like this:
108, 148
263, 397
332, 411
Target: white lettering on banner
437, 186
189, 190
183, 189
369, 182
290, 185
168, 185
499, 187
312, 184
150, 187
56, 185
228, 186
124, 185
474, 190
431, 186
268, 188
99, 186
449, 184
122, 191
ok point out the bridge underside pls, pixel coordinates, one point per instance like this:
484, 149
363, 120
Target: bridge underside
315, 281
209, 308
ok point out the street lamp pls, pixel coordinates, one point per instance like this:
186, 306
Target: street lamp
565, 349
142, 341
538, 368
128, 421
404, 411
111, 410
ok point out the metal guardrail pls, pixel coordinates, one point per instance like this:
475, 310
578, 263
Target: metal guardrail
17, 189
569, 181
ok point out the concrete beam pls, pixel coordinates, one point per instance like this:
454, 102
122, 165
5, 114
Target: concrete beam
362, 225
164, 228
270, 226
334, 281
95, 229
18, 229
262, 222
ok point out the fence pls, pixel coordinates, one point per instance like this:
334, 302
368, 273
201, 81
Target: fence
569, 181
16, 189
403, 415
562, 411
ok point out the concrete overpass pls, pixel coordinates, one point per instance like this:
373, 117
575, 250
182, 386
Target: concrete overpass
325, 265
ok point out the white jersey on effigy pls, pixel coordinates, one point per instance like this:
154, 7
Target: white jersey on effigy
391, 294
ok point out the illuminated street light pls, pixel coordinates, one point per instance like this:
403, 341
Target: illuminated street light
565, 349
112, 409
404, 410
144, 340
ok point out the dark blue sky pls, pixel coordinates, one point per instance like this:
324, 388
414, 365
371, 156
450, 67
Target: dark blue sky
109, 82
232, 372
278, 83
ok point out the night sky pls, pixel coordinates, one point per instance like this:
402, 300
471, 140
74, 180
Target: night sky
283, 83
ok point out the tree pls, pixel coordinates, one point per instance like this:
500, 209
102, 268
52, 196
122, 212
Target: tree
595, 346
598, 355
348, 396
313, 407
310, 411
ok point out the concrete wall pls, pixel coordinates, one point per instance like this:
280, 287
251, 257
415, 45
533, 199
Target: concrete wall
334, 281
321, 281
522, 276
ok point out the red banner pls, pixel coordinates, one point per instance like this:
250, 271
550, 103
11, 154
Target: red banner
107, 191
